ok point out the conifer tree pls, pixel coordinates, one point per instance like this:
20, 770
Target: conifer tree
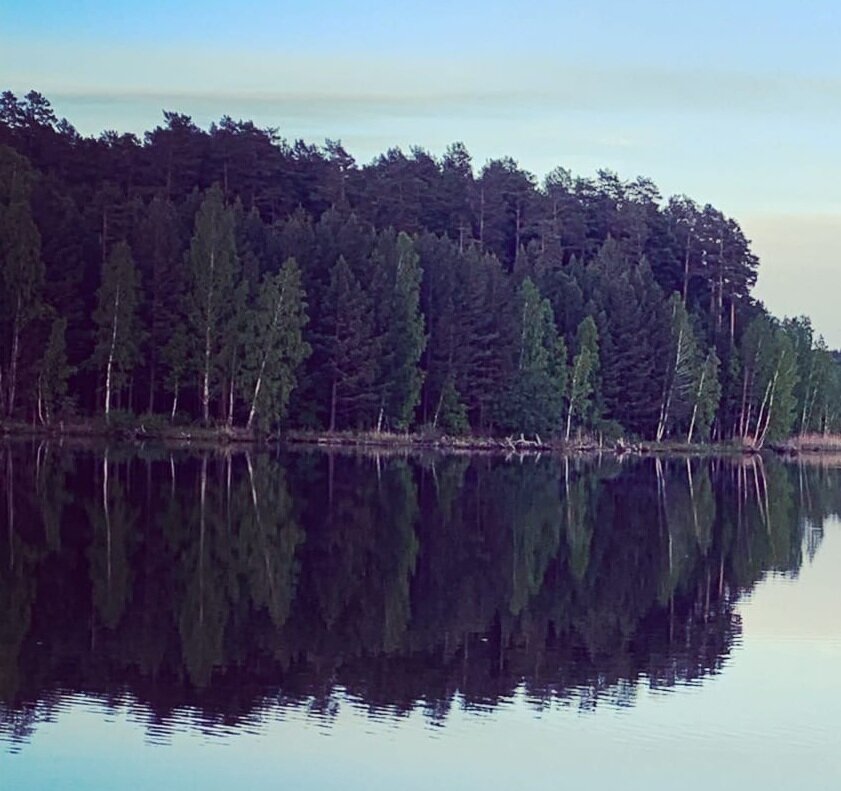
21, 270
348, 350
160, 261
400, 326
533, 400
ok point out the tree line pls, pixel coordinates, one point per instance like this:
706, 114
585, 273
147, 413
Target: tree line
230, 277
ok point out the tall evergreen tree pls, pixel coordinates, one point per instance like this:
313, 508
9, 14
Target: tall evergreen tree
160, 261
348, 350
533, 400
21, 270
400, 327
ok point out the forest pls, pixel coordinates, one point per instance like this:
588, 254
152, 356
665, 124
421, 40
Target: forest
231, 278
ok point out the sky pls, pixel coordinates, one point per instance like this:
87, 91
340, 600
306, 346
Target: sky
733, 103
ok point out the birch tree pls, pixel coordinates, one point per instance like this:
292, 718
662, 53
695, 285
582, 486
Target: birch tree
53, 372
117, 334
277, 344
583, 372
706, 397
212, 260
682, 365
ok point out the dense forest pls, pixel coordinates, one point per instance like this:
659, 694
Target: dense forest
231, 278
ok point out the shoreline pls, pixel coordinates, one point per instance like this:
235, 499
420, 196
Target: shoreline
223, 436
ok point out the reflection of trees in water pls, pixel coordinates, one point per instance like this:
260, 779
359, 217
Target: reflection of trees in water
226, 581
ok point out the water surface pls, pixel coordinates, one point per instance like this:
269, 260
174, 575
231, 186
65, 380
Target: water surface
302, 619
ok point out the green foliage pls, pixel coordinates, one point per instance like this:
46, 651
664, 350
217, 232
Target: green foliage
212, 262
53, 372
769, 366
533, 399
21, 272
276, 347
452, 412
583, 375
426, 316
118, 336
633, 337
400, 325
348, 350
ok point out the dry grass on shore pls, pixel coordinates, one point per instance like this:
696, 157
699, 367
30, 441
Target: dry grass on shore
812, 443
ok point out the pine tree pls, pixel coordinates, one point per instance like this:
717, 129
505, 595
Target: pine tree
629, 310
21, 269
160, 260
400, 326
348, 350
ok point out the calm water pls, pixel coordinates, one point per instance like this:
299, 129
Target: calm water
309, 620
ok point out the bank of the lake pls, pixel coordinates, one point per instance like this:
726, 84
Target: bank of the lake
152, 428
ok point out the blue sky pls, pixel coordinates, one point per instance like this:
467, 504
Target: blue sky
737, 104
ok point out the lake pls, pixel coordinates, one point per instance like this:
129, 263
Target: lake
211, 619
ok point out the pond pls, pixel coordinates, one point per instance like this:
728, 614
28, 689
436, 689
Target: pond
359, 620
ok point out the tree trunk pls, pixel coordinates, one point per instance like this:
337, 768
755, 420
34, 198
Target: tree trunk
110, 364
333, 405
686, 269
151, 405
13, 363
40, 404
10, 505
770, 406
264, 361
666, 404
572, 389
205, 394
107, 513
174, 402
695, 407
230, 416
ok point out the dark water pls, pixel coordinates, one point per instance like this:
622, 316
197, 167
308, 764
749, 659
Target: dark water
302, 620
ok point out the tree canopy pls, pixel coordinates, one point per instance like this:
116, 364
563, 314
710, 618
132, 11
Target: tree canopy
231, 276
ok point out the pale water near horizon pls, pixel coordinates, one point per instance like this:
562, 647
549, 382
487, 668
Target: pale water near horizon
306, 620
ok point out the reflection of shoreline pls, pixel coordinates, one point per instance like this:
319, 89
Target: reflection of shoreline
209, 579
